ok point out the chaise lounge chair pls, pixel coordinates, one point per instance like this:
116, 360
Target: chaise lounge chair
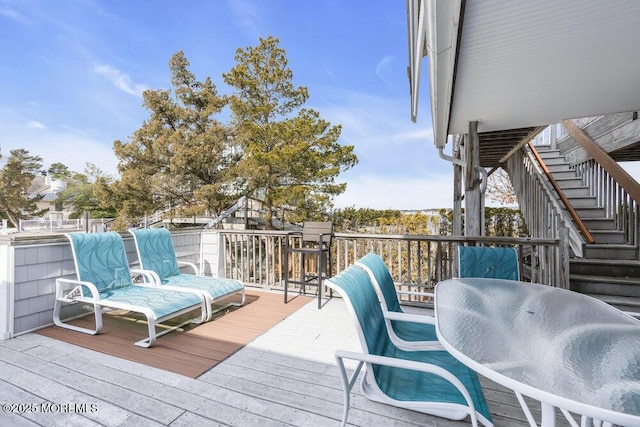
104, 281
432, 382
410, 331
157, 255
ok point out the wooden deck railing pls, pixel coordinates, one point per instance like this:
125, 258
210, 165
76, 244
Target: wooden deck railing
618, 204
416, 262
561, 196
544, 215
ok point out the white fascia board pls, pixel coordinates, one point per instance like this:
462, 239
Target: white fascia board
441, 23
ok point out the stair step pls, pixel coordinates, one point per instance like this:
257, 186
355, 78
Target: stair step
606, 267
576, 191
567, 174
590, 212
568, 182
610, 251
554, 162
605, 285
583, 201
599, 223
546, 151
608, 236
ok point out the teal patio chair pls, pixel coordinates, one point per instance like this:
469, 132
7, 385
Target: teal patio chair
410, 331
432, 382
104, 281
157, 255
483, 261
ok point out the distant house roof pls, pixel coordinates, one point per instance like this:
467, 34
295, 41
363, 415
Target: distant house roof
47, 187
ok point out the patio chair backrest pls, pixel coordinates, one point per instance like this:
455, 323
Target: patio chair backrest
100, 258
155, 251
383, 280
355, 286
482, 261
312, 230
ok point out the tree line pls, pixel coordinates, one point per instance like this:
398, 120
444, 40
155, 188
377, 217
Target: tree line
499, 221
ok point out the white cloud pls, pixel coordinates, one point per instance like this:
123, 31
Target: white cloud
247, 14
35, 125
11, 13
119, 79
64, 144
383, 67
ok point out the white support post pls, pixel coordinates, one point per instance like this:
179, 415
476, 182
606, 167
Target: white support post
6, 291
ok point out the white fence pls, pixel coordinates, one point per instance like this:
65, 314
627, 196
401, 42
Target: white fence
42, 225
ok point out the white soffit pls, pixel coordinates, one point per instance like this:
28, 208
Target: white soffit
528, 63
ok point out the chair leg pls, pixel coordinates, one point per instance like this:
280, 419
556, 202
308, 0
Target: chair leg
320, 269
286, 271
303, 275
97, 312
347, 385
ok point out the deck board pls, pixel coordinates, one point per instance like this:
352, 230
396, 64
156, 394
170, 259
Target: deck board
286, 376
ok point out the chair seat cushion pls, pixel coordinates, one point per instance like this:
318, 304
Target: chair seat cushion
216, 287
161, 301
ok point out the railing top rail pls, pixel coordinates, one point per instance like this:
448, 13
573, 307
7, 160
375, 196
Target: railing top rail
458, 239
417, 237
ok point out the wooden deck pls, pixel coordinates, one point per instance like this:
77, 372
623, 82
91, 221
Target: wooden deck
192, 350
286, 376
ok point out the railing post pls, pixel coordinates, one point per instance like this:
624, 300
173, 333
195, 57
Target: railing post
563, 267
7, 284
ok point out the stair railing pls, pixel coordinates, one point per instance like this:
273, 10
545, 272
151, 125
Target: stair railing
614, 189
544, 215
563, 198
618, 204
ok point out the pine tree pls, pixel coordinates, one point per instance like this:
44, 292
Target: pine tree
291, 157
16, 176
178, 159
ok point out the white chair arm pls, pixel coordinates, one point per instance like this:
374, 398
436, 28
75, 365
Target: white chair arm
409, 317
196, 271
151, 277
76, 287
421, 294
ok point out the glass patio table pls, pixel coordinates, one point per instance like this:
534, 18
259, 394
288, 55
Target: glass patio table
564, 349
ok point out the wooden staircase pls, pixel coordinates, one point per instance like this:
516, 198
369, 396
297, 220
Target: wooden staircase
609, 269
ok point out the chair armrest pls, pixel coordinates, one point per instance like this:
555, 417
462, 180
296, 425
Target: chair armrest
151, 277
75, 289
410, 317
196, 271
417, 293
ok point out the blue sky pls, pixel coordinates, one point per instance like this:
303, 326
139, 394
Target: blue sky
73, 73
